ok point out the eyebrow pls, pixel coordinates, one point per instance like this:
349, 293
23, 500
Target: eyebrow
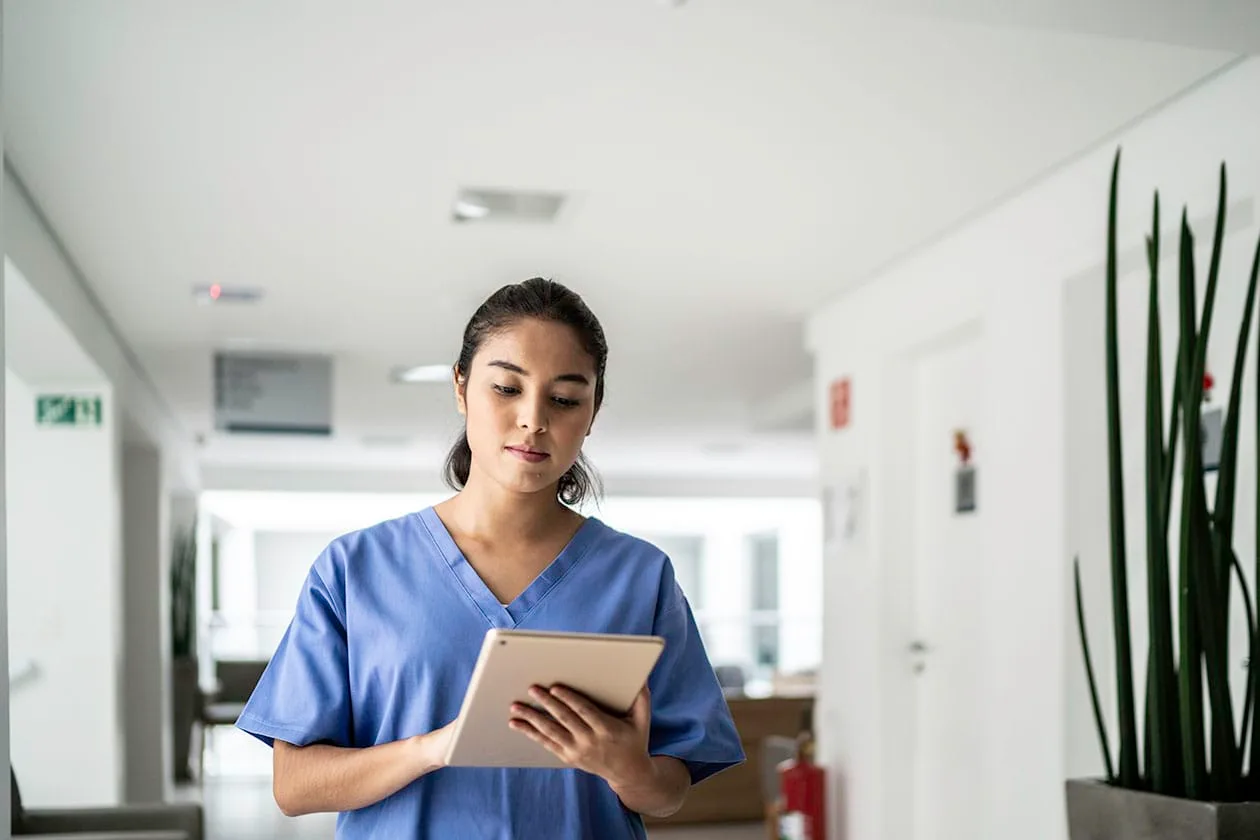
566, 377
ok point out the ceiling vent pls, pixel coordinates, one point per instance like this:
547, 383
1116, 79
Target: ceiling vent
482, 205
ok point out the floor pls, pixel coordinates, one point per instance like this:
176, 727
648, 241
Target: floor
239, 806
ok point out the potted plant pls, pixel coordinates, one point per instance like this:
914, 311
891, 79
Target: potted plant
1193, 771
185, 696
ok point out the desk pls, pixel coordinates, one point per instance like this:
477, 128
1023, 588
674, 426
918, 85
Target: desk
736, 794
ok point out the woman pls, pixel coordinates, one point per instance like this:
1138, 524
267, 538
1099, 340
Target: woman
360, 695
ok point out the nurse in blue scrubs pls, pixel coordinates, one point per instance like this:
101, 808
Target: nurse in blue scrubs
359, 697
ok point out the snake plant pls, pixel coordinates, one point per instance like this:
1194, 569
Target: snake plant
1186, 748
183, 582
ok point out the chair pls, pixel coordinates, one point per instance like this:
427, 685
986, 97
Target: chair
235, 680
121, 822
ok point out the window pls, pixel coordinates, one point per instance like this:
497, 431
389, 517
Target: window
686, 552
763, 552
764, 549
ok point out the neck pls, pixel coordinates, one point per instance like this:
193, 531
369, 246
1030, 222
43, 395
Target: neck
488, 511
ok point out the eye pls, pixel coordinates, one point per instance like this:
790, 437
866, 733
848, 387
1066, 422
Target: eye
507, 390
565, 402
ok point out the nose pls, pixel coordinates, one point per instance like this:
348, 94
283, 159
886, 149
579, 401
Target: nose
533, 416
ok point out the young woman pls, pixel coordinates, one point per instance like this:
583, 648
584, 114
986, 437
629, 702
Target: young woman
359, 697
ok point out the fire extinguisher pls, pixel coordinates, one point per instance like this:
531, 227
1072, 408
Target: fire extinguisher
802, 811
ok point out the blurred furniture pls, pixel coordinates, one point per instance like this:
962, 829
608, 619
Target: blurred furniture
123, 822
740, 793
234, 682
730, 678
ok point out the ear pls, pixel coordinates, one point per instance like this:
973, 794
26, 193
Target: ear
460, 383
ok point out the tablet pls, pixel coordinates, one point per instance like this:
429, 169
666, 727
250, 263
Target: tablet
610, 669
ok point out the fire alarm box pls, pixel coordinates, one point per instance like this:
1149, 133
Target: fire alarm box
840, 395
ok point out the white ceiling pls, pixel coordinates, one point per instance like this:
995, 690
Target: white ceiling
731, 166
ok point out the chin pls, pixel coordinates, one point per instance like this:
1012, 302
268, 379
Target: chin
529, 484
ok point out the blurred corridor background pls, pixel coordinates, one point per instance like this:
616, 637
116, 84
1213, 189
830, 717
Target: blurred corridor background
850, 258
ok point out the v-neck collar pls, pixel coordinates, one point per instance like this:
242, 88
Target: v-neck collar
494, 611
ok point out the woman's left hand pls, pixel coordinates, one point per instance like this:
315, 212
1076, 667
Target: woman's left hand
586, 737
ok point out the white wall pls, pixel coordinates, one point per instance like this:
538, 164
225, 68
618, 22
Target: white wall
1009, 272
4, 575
64, 603
147, 652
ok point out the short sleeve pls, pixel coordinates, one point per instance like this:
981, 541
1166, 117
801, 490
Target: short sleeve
303, 696
691, 720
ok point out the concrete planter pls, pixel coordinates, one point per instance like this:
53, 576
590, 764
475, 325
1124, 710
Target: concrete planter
1098, 811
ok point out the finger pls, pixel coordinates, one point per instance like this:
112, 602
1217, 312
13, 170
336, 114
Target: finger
591, 715
542, 722
559, 709
641, 711
528, 730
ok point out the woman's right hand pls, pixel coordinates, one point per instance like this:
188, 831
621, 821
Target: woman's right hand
326, 778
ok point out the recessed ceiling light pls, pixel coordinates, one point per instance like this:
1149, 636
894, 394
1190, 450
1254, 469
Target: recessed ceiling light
218, 293
467, 210
422, 374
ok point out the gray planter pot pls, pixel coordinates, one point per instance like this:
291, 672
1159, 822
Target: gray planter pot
1099, 811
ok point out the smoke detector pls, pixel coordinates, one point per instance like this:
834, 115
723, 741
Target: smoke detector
218, 293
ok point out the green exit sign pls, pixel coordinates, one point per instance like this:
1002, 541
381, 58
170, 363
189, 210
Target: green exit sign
64, 410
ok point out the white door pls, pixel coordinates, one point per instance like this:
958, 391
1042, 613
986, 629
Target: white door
945, 653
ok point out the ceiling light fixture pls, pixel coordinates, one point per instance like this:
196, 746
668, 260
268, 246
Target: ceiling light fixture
467, 210
218, 293
494, 205
422, 374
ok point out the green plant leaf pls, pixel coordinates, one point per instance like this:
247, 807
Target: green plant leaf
1163, 735
1190, 670
1089, 675
1253, 667
1251, 655
1226, 488
1212, 582
1130, 776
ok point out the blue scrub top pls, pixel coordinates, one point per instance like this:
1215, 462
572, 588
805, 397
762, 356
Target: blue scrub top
387, 630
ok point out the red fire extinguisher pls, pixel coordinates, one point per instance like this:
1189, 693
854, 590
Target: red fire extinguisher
802, 808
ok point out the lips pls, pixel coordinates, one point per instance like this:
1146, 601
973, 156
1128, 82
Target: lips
528, 455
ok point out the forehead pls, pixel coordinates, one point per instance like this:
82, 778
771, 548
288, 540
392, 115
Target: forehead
540, 347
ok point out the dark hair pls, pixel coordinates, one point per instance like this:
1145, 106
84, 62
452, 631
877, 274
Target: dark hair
545, 300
